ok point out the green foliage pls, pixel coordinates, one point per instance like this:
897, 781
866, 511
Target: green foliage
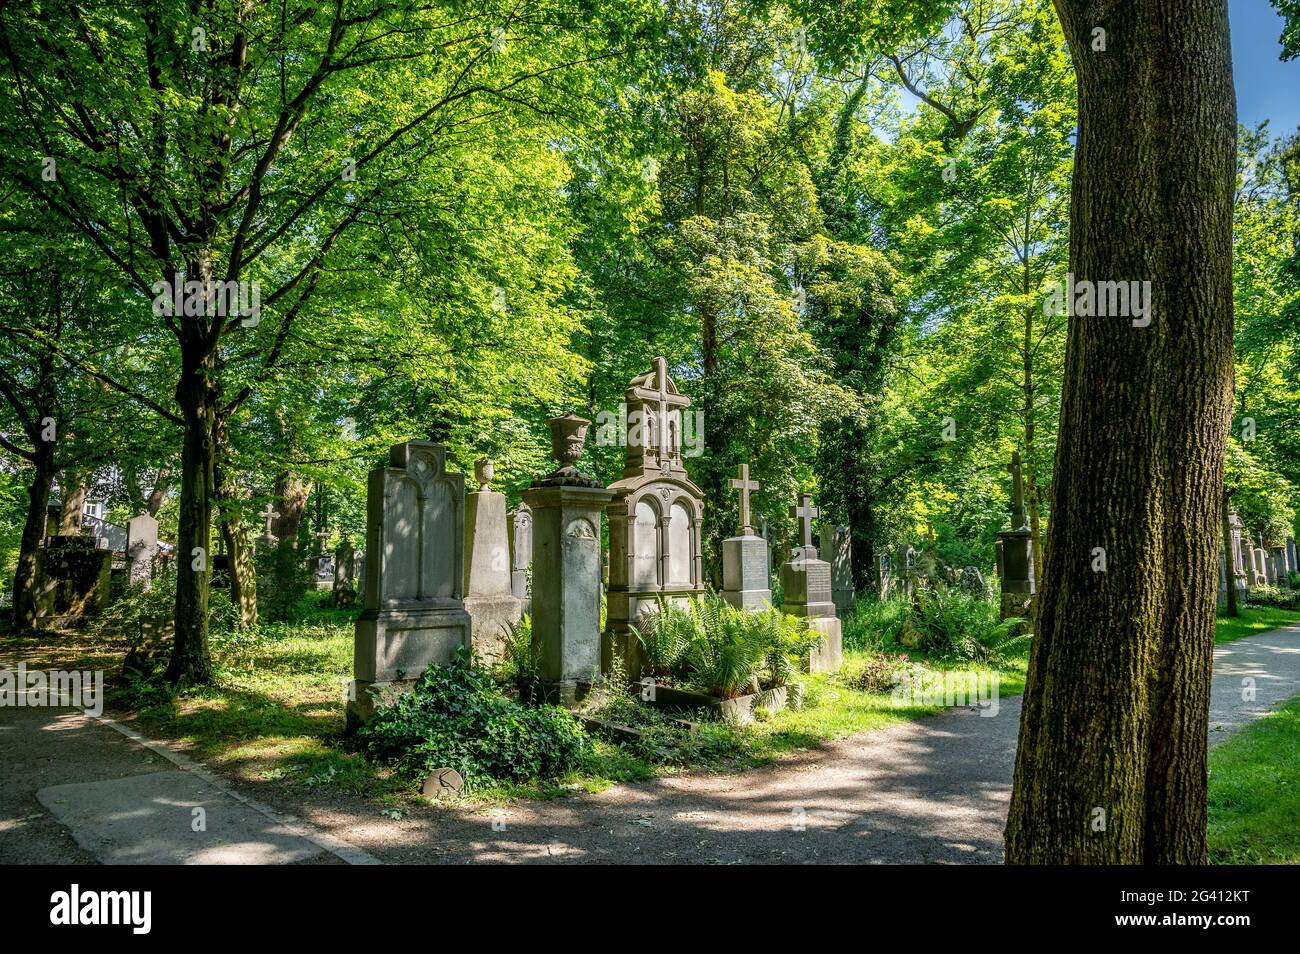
1277, 597
518, 662
952, 624
874, 624
121, 619
283, 580
880, 674
455, 718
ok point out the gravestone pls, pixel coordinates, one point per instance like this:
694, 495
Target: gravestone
1261, 562
972, 581
141, 548
1292, 557
521, 552
566, 507
1220, 596
413, 613
492, 607
745, 561
655, 520
345, 570
884, 575
1240, 578
809, 592
1278, 561
268, 540
72, 580
837, 550
1018, 583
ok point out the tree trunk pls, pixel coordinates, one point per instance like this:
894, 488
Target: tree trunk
197, 396
38, 505
243, 574
1111, 766
1229, 574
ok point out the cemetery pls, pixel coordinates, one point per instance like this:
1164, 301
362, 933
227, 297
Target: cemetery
644, 432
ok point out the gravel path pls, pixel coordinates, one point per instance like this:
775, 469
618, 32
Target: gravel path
935, 790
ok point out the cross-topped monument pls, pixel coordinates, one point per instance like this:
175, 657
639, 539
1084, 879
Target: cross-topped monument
744, 485
806, 513
1019, 518
654, 407
268, 515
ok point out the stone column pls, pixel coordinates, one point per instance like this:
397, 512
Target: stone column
566, 508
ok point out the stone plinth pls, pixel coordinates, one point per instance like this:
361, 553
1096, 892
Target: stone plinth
566, 587
745, 578
1018, 583
492, 607
413, 614
807, 587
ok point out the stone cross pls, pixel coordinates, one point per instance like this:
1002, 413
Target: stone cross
661, 391
744, 485
806, 513
268, 515
1019, 519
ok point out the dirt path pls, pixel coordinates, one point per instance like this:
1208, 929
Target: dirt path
929, 791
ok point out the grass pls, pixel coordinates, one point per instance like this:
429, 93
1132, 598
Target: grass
1252, 620
1255, 792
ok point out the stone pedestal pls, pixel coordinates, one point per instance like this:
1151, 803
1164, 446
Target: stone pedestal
492, 607
566, 587
413, 614
745, 579
806, 583
1018, 584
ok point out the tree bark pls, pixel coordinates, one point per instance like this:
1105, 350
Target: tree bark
197, 395
38, 505
1111, 766
72, 502
234, 532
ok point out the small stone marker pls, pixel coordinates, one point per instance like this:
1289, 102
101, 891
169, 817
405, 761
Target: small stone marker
444, 783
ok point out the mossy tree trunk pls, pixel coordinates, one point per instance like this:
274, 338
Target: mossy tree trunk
1111, 766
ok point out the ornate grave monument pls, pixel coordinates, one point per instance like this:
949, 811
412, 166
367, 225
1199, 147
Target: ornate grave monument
745, 575
1017, 554
655, 518
806, 583
413, 613
566, 507
521, 552
488, 600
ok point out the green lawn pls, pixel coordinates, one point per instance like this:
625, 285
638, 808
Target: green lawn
1255, 792
1252, 620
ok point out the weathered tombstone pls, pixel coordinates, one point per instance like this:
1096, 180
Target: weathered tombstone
1278, 561
413, 613
268, 540
972, 581
1261, 563
141, 548
655, 518
808, 592
1292, 557
884, 575
72, 580
745, 562
1018, 583
345, 569
1240, 578
566, 507
521, 552
837, 550
492, 607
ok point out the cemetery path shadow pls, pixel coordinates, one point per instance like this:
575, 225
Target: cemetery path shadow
935, 790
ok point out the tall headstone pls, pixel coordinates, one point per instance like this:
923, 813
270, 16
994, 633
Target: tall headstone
1239, 562
837, 550
884, 575
655, 520
808, 591
1292, 557
745, 561
491, 605
521, 551
141, 548
566, 506
1018, 583
414, 613
1261, 563
345, 573
1278, 559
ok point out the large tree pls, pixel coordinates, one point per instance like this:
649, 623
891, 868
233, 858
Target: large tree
1111, 766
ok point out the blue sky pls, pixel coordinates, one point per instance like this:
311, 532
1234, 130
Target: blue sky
1267, 88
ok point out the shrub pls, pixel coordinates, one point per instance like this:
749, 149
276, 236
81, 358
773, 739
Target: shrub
665, 635
455, 718
1275, 596
518, 654
874, 624
952, 624
880, 675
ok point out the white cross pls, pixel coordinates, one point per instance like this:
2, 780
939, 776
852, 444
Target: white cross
744, 485
661, 387
270, 515
806, 513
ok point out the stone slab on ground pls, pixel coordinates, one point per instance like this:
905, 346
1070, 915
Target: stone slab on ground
147, 819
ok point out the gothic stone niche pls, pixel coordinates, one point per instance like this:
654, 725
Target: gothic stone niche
413, 614
655, 517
